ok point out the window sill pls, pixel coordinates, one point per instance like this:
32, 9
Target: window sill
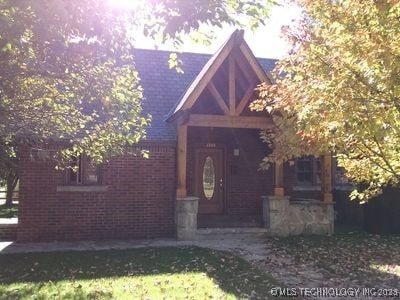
344, 187
306, 188
82, 188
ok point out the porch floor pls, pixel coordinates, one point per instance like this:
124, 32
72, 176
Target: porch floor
229, 221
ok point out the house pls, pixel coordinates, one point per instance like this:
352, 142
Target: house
202, 170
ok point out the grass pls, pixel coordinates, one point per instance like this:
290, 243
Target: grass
150, 273
9, 211
371, 260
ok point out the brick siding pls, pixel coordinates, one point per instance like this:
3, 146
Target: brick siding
139, 202
140, 199
8, 232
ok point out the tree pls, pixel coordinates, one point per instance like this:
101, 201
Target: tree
339, 90
8, 173
67, 70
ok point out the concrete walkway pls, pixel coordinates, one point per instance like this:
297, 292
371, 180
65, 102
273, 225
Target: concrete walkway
8, 221
251, 247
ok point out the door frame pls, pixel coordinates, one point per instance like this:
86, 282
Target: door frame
210, 146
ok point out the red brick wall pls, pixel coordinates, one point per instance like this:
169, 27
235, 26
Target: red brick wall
139, 202
245, 184
8, 232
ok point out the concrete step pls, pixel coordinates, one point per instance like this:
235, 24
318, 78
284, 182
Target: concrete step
228, 221
231, 233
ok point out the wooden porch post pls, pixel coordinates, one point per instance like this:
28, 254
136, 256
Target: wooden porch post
326, 187
181, 191
279, 189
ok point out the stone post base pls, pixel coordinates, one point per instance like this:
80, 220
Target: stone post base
186, 218
276, 215
311, 217
305, 217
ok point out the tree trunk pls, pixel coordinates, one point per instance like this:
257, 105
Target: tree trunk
11, 184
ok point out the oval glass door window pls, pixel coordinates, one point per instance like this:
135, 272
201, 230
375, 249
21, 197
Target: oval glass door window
208, 178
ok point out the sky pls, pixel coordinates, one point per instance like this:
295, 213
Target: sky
266, 42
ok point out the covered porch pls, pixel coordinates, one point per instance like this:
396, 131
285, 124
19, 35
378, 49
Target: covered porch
234, 193
219, 151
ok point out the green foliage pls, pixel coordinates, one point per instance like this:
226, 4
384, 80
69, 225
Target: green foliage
9, 211
338, 90
67, 69
172, 19
67, 73
175, 63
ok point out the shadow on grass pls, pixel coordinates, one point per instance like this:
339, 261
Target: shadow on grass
371, 260
76, 294
232, 274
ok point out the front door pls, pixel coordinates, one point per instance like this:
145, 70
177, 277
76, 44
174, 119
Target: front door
210, 180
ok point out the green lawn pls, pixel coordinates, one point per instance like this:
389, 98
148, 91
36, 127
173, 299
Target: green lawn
150, 273
9, 211
371, 260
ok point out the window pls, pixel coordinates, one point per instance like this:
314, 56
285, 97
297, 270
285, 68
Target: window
82, 171
308, 170
208, 178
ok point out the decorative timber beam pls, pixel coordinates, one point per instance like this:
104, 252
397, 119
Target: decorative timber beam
217, 96
250, 76
245, 99
232, 86
205, 76
254, 63
201, 120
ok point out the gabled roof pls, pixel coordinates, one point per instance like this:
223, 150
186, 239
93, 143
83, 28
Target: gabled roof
207, 69
236, 40
164, 87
